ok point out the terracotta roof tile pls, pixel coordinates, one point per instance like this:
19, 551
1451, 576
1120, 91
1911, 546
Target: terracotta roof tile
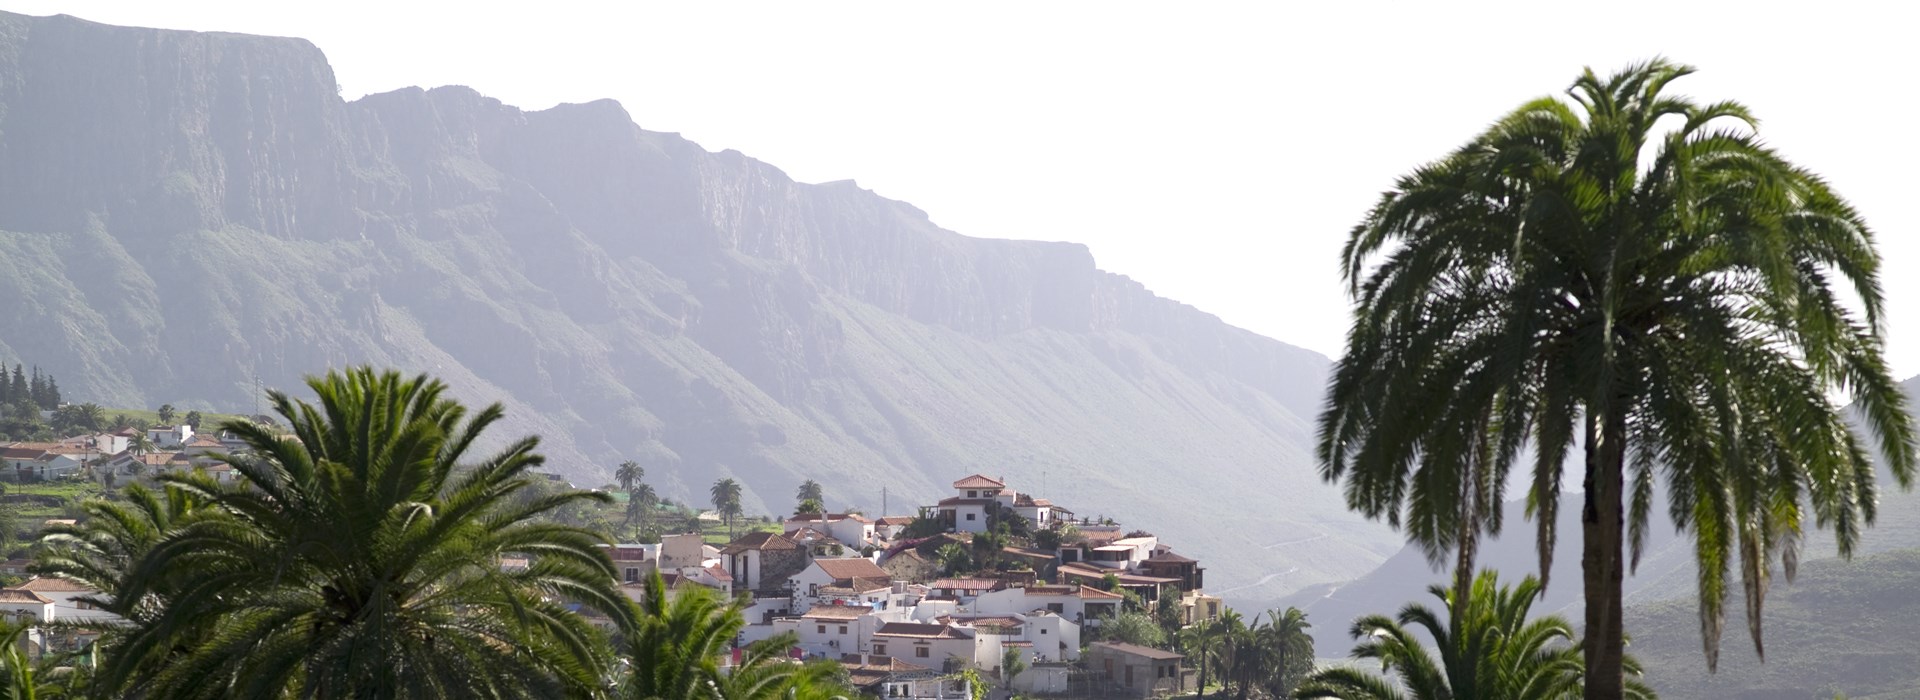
764, 541
54, 584
846, 569
16, 595
977, 481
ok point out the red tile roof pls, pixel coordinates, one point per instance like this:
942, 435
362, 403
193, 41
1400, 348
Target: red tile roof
54, 584
765, 541
896, 520
845, 569
719, 573
1168, 556
977, 481
16, 595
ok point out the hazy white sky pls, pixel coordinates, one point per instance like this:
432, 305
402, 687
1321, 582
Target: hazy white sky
1216, 152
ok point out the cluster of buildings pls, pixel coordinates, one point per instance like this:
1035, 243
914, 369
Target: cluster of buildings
858, 590
170, 448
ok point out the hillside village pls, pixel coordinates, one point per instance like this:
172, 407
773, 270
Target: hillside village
907, 604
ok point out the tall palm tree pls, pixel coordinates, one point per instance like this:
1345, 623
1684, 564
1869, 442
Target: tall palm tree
629, 473
726, 499
1667, 300
359, 559
166, 413
1288, 650
1488, 649
810, 491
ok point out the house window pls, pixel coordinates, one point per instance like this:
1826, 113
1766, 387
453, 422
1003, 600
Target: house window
843, 629
880, 650
633, 575
1043, 630
969, 516
823, 629
1056, 608
973, 494
920, 652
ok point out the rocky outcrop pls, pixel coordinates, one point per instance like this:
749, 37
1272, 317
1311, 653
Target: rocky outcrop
180, 212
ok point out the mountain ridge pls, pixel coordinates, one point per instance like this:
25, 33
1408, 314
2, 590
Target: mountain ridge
181, 212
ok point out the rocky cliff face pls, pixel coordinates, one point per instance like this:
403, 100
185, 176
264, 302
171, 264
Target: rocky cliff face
180, 212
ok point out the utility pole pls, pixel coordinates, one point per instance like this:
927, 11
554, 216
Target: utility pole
883, 501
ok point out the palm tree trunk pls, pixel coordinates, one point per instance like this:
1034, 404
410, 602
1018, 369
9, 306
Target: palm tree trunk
1201, 691
1601, 562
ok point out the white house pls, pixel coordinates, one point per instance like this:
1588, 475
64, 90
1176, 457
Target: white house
850, 529
843, 582
65, 594
104, 444
966, 510
922, 643
1074, 603
762, 561
25, 606
170, 437
832, 630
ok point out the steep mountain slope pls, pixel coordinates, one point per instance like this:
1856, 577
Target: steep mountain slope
180, 212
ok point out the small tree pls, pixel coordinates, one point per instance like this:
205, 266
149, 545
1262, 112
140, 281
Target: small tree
193, 419
167, 412
810, 506
953, 559
1011, 666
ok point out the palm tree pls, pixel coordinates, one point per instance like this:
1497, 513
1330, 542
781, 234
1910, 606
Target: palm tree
1666, 300
809, 506
140, 443
92, 416
726, 499
629, 473
166, 413
359, 559
1488, 649
677, 642
810, 490
1286, 651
